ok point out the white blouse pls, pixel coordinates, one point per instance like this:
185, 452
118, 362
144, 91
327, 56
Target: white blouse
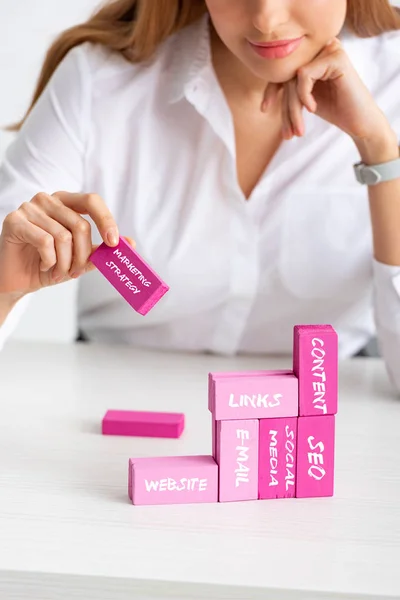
156, 141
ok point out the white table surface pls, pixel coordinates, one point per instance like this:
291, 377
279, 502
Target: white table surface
68, 531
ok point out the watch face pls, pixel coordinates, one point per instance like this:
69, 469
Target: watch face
371, 177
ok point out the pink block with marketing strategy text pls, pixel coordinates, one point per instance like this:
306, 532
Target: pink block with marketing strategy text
315, 456
315, 363
173, 480
131, 276
216, 375
143, 424
269, 395
237, 458
277, 458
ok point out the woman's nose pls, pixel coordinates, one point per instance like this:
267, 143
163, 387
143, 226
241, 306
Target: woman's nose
270, 17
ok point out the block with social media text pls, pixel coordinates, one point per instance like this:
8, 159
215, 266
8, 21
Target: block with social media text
273, 434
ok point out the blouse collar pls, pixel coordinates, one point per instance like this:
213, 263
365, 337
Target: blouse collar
191, 58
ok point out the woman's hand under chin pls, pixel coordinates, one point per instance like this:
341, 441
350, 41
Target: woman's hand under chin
330, 87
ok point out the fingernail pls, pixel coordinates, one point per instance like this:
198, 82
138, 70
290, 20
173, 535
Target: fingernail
112, 236
267, 104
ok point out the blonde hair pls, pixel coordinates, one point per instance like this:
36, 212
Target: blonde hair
135, 28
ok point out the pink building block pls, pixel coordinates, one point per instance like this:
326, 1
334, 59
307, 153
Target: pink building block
135, 280
216, 375
315, 456
262, 396
173, 480
315, 363
143, 424
277, 458
214, 436
237, 458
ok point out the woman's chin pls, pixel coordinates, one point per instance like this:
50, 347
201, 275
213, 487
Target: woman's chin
277, 75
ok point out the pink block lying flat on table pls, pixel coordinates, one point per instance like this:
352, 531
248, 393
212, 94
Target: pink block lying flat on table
237, 458
143, 424
315, 363
315, 456
263, 396
277, 458
173, 480
134, 279
216, 375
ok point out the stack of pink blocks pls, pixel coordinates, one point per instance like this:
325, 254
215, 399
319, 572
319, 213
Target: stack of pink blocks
273, 434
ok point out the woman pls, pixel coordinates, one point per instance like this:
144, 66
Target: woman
228, 161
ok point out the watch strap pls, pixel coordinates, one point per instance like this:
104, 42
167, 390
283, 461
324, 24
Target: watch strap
374, 174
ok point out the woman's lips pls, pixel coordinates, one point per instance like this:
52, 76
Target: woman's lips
279, 49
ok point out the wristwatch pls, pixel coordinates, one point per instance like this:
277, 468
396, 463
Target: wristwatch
374, 174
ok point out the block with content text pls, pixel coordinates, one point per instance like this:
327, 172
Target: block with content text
315, 364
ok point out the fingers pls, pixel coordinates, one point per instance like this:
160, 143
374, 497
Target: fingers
94, 206
287, 130
71, 246
79, 238
292, 111
15, 224
130, 241
90, 266
295, 109
60, 236
305, 85
70, 231
40, 212
270, 95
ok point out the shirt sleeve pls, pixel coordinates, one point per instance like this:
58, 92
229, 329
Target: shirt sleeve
387, 317
47, 154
